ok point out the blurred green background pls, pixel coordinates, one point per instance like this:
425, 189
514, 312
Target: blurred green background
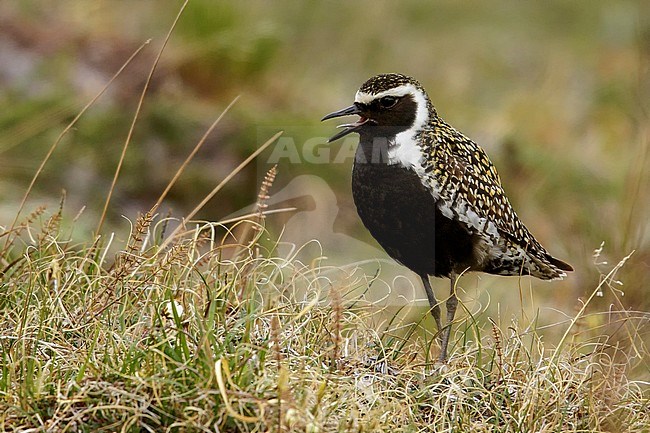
558, 93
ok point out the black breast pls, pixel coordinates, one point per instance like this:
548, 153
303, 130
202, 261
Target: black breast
402, 215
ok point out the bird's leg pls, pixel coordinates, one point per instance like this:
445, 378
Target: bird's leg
433, 303
452, 303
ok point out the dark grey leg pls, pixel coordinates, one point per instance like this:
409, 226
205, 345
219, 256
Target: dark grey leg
433, 303
452, 303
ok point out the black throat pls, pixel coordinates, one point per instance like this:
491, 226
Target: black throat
373, 149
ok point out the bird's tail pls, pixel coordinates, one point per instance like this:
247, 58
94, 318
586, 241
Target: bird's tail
560, 264
548, 267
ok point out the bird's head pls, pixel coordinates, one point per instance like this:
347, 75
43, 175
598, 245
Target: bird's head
386, 104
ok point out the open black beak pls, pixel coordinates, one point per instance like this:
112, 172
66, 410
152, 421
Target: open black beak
349, 127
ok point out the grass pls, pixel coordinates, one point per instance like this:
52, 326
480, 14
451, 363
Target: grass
215, 333
178, 324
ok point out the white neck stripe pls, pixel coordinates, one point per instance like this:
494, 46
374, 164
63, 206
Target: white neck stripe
407, 151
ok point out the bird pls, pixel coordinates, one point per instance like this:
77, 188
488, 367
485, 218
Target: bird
431, 196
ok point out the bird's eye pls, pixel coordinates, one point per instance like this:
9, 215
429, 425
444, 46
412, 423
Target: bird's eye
388, 101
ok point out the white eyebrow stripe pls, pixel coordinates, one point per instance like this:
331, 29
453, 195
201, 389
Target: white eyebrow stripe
367, 98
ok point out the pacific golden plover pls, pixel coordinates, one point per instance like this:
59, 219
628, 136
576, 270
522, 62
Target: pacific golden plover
431, 196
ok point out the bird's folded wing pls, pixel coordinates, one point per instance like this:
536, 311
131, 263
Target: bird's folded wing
470, 189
